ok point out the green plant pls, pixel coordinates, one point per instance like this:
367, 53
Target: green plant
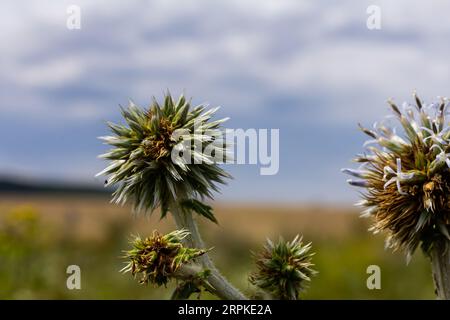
284, 268
159, 257
167, 157
407, 180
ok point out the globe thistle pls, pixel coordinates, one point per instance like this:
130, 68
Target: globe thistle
167, 157
158, 154
159, 257
405, 171
284, 268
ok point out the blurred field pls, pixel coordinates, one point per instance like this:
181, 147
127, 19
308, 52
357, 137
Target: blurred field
41, 236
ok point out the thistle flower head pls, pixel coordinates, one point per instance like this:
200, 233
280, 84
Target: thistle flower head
405, 171
159, 154
284, 268
158, 257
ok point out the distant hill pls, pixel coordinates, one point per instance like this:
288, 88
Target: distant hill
12, 185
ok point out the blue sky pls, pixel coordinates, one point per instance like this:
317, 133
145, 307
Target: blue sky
310, 68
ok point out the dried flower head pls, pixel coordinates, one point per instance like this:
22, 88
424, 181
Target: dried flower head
284, 268
158, 257
406, 175
158, 156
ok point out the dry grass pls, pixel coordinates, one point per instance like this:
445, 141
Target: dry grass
87, 216
91, 232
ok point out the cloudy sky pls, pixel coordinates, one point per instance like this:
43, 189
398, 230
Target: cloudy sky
310, 68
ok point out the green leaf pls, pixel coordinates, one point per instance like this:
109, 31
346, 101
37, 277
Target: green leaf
184, 290
169, 108
164, 210
443, 229
200, 208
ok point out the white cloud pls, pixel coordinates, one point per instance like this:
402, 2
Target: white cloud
50, 73
311, 63
290, 47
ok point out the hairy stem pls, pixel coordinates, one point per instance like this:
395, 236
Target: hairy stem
191, 271
223, 289
440, 262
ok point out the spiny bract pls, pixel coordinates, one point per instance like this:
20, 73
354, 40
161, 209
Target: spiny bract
143, 162
407, 177
284, 268
158, 257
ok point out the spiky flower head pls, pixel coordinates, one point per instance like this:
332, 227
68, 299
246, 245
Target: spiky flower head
163, 153
284, 268
405, 171
158, 258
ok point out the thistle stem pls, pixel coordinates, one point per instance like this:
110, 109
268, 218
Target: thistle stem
223, 289
190, 271
440, 263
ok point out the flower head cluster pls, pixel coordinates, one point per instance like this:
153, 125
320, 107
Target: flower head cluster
157, 156
158, 257
284, 268
405, 171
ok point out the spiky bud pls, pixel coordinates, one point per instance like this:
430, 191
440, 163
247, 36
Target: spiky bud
283, 269
159, 257
159, 154
405, 171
